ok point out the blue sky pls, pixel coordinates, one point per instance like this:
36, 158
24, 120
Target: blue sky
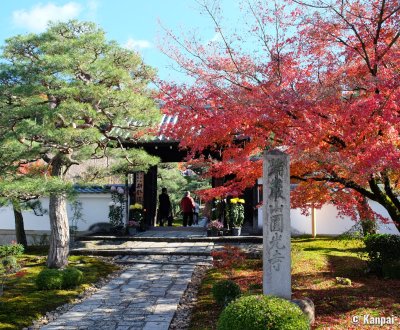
132, 23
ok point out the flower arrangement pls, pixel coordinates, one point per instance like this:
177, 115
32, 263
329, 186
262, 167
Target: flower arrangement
116, 206
136, 206
235, 212
237, 200
136, 214
215, 224
133, 224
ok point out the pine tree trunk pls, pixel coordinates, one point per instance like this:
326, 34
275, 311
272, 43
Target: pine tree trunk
19, 224
59, 236
59, 227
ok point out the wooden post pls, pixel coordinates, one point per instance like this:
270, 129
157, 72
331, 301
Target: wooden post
313, 223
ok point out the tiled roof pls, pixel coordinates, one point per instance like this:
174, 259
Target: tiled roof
96, 189
167, 121
91, 189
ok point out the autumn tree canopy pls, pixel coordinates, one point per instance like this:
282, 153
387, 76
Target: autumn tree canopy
317, 78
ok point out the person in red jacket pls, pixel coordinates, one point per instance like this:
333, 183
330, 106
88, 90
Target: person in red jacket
187, 207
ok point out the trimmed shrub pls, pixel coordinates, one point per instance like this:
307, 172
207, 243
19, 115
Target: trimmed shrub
9, 264
261, 312
50, 279
11, 250
72, 277
382, 251
225, 291
391, 270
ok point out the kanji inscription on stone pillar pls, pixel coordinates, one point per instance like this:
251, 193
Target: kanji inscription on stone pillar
276, 224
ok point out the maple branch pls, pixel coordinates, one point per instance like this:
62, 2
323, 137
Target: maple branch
389, 46
363, 46
335, 179
379, 27
219, 29
389, 190
302, 3
391, 207
261, 26
390, 14
350, 25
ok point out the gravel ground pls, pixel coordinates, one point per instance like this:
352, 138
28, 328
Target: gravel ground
181, 320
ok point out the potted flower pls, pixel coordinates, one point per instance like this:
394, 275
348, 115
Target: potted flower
132, 227
235, 213
136, 214
214, 228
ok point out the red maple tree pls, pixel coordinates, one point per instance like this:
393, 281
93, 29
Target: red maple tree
322, 82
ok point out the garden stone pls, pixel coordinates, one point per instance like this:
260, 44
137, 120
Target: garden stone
307, 306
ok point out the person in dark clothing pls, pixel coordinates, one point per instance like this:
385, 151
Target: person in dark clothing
164, 208
187, 207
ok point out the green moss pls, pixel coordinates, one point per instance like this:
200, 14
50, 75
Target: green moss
22, 302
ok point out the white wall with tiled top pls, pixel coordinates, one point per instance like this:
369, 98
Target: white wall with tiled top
95, 209
328, 221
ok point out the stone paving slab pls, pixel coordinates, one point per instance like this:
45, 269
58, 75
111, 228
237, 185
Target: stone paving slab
141, 251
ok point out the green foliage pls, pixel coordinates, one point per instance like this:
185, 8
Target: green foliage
262, 313
343, 280
55, 279
383, 250
225, 291
32, 187
69, 95
77, 215
72, 277
136, 215
140, 161
11, 250
117, 207
9, 264
369, 226
170, 177
22, 302
235, 212
50, 279
218, 210
391, 270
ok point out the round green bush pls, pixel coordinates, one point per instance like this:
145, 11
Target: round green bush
49, 279
72, 277
225, 291
10, 264
259, 312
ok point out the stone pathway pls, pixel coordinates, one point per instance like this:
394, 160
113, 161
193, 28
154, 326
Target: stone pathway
160, 263
165, 260
144, 297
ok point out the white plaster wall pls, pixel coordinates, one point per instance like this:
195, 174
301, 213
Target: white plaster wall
94, 208
328, 222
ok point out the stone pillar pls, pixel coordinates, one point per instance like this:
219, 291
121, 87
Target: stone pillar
276, 225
